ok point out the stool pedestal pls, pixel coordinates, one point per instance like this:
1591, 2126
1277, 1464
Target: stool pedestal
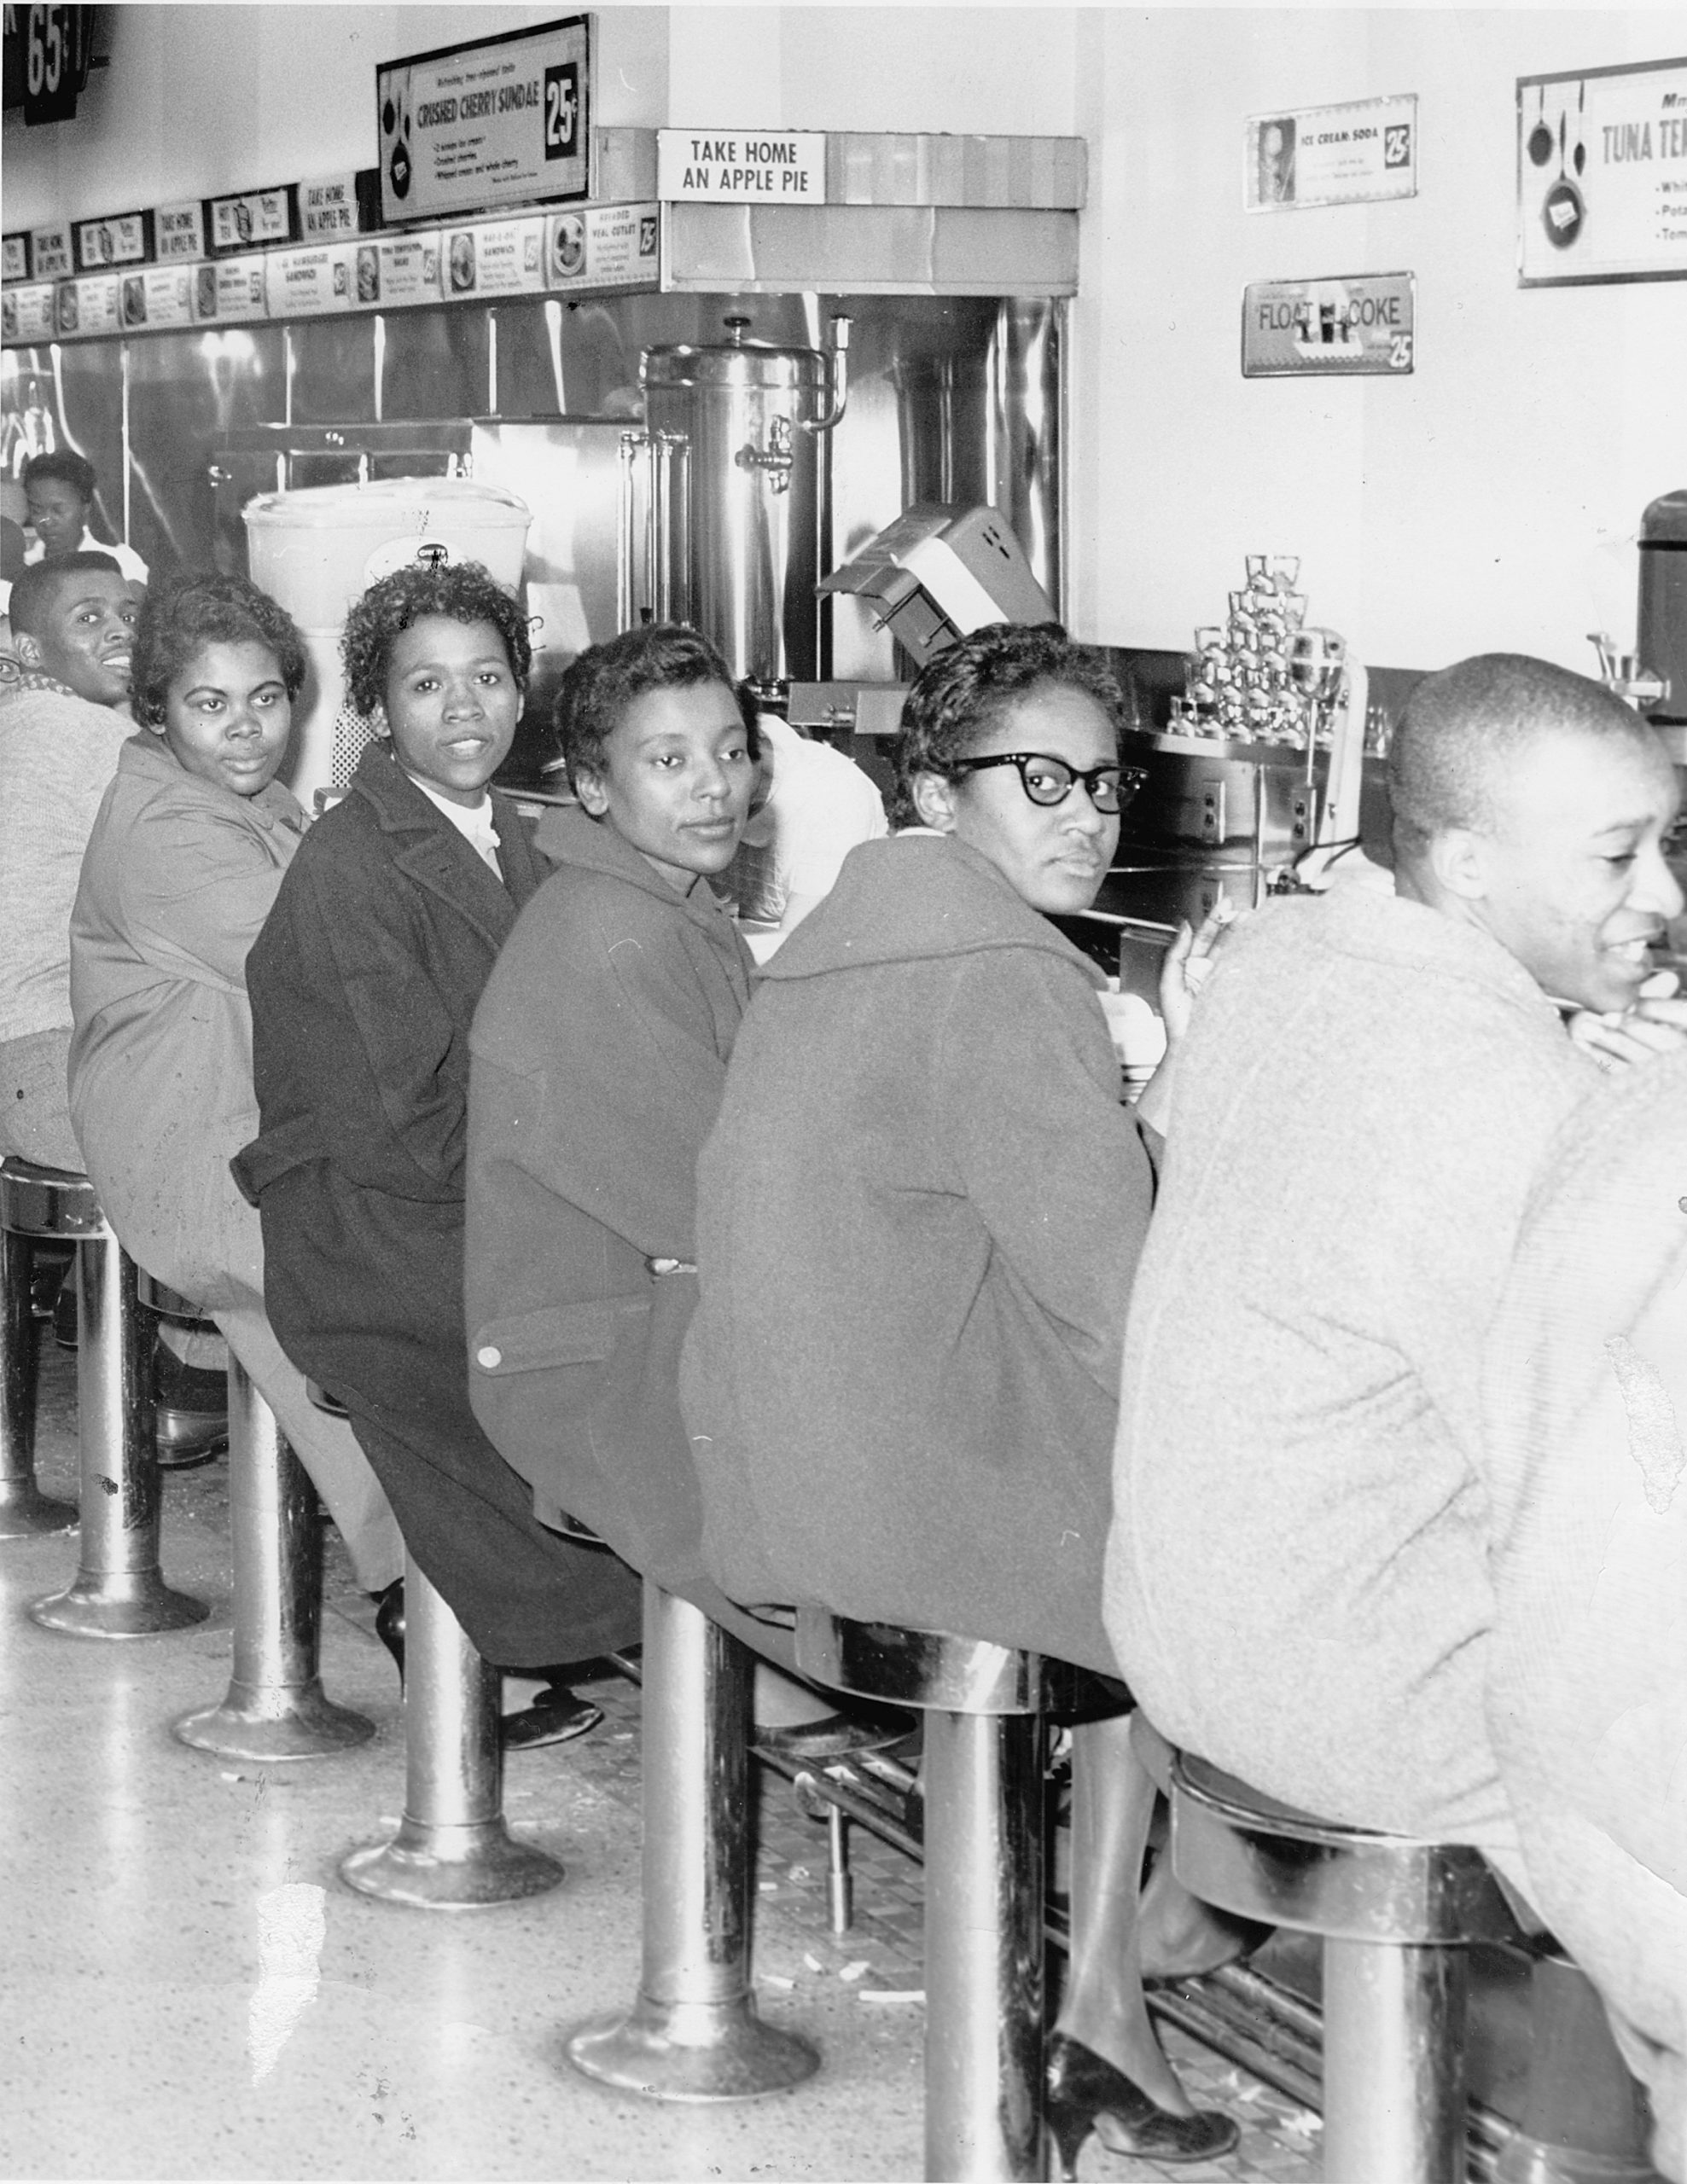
119, 1590
276, 1707
25, 1510
693, 2034
1585, 2119
452, 1851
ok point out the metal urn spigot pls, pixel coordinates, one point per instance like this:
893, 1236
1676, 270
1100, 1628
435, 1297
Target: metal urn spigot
1624, 676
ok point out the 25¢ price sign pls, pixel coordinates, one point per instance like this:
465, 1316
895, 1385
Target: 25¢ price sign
1353, 325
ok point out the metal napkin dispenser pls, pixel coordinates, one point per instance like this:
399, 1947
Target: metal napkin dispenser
939, 572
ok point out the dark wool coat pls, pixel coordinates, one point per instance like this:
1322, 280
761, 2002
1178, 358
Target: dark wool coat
918, 1220
363, 983
600, 1051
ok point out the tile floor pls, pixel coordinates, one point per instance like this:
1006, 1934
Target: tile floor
191, 1992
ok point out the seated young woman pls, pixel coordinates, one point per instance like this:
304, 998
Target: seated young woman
918, 1219
600, 1050
180, 872
362, 982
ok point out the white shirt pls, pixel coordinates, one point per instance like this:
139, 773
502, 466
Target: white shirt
820, 806
473, 822
133, 567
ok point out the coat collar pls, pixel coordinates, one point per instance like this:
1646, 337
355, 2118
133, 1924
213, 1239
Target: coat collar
149, 759
430, 851
572, 837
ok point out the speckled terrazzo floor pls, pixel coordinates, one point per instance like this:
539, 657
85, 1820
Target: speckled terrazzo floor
191, 1992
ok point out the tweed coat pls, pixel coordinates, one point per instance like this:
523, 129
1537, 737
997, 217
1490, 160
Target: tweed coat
600, 1050
363, 983
918, 1220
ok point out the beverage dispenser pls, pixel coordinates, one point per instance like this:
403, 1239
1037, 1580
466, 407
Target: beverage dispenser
316, 550
753, 417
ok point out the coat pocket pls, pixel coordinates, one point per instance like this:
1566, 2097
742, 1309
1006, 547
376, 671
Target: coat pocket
276, 1152
570, 1344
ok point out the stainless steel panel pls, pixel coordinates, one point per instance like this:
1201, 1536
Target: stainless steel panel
432, 363
63, 397
332, 369
891, 249
187, 392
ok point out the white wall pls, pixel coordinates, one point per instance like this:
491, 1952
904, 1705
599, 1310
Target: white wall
1485, 502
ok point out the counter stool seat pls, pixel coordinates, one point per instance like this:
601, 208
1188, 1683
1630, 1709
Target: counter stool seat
36, 1204
1396, 1916
983, 1783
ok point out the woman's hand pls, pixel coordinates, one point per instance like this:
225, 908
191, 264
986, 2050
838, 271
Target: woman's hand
1188, 965
1656, 1025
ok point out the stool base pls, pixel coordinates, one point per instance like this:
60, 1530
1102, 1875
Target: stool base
26, 1512
291, 1722
691, 2051
462, 1867
124, 1604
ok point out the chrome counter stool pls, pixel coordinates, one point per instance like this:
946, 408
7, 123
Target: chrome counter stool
25, 1510
275, 1707
452, 1851
1396, 1916
983, 1775
119, 1590
693, 2034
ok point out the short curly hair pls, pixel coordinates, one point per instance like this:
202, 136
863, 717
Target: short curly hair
180, 619
456, 591
596, 689
958, 697
72, 470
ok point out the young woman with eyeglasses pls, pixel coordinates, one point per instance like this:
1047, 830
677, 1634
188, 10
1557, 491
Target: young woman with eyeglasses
919, 1217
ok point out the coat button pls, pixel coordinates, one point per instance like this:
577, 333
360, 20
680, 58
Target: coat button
490, 1358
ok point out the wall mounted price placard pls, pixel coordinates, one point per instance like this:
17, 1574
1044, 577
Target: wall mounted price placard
1602, 175
178, 231
399, 270
229, 291
741, 166
1351, 154
49, 256
603, 247
309, 283
117, 239
1348, 326
329, 210
252, 217
90, 307
494, 257
497, 121
161, 296
26, 312
17, 256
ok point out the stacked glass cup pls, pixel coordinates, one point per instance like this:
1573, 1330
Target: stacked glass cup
1262, 676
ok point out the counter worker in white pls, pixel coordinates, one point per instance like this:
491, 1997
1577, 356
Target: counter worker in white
1298, 1576
59, 488
815, 806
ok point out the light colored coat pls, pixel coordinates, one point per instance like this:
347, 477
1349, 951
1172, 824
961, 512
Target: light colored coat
1298, 1583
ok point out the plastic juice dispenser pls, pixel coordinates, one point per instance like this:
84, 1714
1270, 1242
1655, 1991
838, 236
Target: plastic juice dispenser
316, 550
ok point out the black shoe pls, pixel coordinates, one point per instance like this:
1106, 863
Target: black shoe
389, 1622
192, 1423
1083, 2090
834, 1735
64, 1313
557, 1715
50, 1271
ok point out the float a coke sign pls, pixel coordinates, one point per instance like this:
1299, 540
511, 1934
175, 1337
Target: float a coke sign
1343, 326
499, 121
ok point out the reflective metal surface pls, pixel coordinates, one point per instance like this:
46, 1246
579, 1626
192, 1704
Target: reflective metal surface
275, 1707
693, 2033
1393, 2063
24, 1508
921, 1668
119, 1590
452, 1851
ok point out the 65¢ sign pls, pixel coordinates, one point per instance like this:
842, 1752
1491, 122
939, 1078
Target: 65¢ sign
1346, 325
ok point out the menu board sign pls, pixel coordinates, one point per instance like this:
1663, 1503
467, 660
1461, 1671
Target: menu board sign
94, 306
328, 209
119, 239
178, 231
306, 283
49, 252
26, 312
1345, 327
256, 216
494, 257
229, 290
399, 270
498, 121
161, 296
1353, 154
1602, 175
16, 248
603, 247
742, 167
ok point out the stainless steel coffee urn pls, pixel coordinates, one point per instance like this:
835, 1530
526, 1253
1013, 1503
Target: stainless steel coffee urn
1661, 638
754, 420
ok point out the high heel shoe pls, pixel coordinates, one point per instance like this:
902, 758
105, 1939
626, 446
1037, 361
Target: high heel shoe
1084, 2089
389, 1622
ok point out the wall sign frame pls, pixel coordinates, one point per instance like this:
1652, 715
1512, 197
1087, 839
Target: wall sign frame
1343, 325
1362, 152
1602, 175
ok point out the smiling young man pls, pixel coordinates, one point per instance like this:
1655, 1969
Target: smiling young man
1298, 1580
61, 730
